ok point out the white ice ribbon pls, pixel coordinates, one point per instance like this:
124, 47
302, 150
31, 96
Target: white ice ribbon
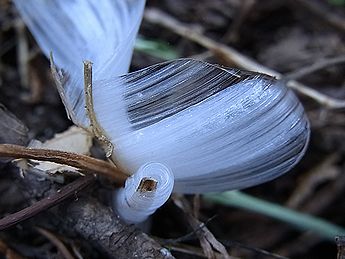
216, 129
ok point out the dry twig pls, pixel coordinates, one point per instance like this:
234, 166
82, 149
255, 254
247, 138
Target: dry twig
46, 203
207, 241
230, 56
191, 250
258, 252
57, 242
326, 62
246, 7
322, 172
96, 223
60, 78
86, 163
99, 225
324, 197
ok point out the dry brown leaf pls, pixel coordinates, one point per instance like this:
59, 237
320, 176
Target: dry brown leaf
74, 139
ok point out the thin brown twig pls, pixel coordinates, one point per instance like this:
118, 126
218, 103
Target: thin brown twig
46, 203
322, 172
246, 6
188, 249
99, 225
57, 242
208, 242
86, 163
331, 18
327, 101
96, 223
326, 62
231, 56
187, 237
323, 197
60, 79
228, 54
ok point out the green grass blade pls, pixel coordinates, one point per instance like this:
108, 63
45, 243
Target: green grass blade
300, 220
155, 48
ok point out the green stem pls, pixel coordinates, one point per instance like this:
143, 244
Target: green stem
300, 220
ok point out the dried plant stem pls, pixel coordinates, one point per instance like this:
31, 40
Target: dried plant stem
57, 242
92, 221
86, 163
245, 8
322, 172
60, 81
323, 63
94, 125
232, 57
102, 228
46, 203
187, 249
321, 98
208, 242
